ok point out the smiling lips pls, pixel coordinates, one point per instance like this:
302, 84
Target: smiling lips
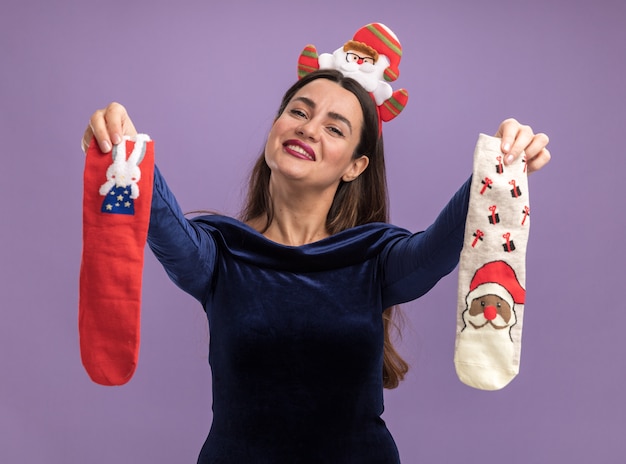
299, 150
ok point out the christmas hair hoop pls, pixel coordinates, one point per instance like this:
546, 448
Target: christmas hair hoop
372, 58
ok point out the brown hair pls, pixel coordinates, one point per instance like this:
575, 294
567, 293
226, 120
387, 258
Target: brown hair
360, 201
361, 48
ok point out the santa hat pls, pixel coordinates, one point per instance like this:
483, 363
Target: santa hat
496, 278
384, 41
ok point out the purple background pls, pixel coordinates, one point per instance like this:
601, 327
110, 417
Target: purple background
204, 81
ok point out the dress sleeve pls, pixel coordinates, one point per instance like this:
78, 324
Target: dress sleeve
186, 249
415, 263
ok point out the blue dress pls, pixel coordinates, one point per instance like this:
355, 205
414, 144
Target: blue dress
296, 334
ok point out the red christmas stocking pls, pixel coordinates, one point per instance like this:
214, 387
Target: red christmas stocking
116, 212
492, 271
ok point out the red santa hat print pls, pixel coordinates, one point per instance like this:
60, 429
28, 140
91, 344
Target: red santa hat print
496, 278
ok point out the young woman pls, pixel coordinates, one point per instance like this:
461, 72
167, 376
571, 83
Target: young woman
297, 293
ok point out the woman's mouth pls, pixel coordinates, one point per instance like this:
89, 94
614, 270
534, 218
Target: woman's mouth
299, 150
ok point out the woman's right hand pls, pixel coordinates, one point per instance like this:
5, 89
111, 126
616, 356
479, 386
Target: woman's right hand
108, 126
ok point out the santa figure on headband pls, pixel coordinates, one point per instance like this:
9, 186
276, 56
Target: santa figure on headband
372, 58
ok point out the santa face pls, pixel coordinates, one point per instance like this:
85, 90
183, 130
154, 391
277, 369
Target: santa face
489, 311
360, 67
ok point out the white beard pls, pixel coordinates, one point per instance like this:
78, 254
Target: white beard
486, 357
485, 346
365, 74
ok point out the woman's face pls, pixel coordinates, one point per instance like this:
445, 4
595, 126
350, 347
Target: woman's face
313, 141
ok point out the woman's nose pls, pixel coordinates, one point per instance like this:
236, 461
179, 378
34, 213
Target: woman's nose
308, 129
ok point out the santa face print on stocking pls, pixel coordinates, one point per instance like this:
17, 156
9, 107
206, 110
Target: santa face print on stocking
490, 303
492, 271
489, 310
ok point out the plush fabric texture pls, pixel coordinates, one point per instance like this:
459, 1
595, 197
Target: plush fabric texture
296, 335
394, 105
380, 41
116, 210
384, 41
308, 61
492, 271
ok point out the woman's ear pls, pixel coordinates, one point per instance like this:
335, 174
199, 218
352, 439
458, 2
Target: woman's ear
355, 169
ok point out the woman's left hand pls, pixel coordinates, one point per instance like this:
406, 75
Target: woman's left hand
518, 138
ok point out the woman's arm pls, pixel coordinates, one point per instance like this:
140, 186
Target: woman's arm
186, 249
415, 264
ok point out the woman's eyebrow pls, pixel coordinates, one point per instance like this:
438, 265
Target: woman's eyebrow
311, 104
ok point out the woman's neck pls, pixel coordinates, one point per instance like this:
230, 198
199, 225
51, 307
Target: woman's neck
299, 216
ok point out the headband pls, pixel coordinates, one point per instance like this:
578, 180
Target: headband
371, 58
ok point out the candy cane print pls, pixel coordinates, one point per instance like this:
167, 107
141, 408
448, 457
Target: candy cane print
479, 234
526, 213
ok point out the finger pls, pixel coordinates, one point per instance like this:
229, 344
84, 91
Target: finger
508, 131
115, 117
86, 140
109, 125
119, 123
523, 138
128, 128
515, 138
538, 143
539, 161
98, 129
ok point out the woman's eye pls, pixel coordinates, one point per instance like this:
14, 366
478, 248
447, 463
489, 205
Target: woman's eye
336, 131
298, 113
